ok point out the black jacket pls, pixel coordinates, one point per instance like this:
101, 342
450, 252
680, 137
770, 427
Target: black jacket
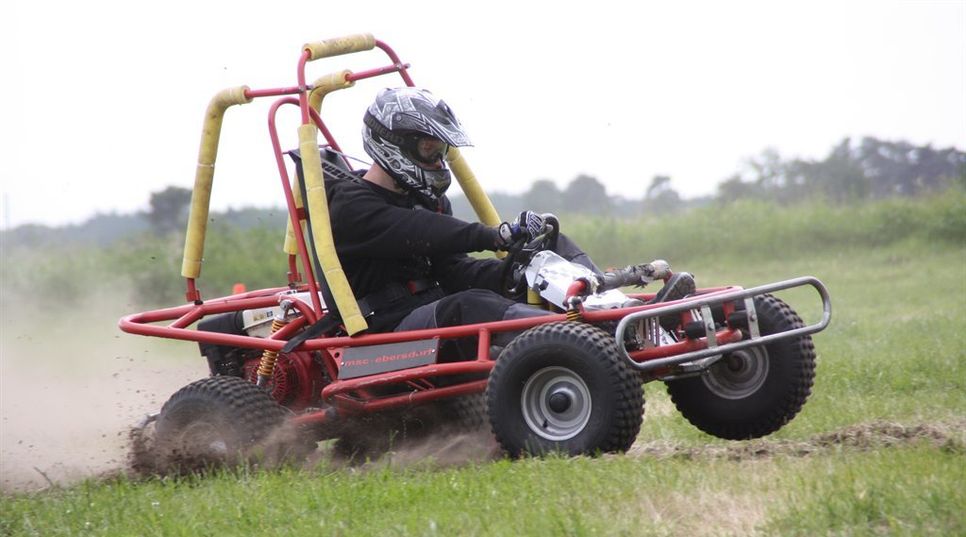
383, 237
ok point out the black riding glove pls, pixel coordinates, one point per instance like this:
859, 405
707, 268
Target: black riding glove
531, 222
526, 226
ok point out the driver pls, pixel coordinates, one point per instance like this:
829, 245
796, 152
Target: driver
400, 246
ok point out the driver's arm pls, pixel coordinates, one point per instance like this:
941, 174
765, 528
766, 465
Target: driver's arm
459, 272
364, 224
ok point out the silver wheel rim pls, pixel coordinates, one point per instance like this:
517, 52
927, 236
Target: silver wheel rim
739, 374
556, 403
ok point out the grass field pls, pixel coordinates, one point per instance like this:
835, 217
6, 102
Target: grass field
879, 449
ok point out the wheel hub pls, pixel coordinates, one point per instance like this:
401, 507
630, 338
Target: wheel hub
559, 401
738, 374
556, 403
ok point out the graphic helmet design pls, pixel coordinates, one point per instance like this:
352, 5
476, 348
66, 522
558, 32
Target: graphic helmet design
393, 127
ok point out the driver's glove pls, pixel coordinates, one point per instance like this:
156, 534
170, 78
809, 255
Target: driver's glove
531, 222
527, 225
507, 234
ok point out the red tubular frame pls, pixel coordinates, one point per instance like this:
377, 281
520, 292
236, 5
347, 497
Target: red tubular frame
182, 316
352, 396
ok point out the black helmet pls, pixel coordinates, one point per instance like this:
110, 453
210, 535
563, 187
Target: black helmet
394, 127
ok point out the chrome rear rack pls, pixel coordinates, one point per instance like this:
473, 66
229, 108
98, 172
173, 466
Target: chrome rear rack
704, 303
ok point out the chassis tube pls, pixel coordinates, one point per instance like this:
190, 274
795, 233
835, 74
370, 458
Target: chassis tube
138, 323
412, 398
344, 405
340, 387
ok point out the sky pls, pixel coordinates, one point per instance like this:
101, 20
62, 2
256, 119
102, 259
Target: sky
102, 102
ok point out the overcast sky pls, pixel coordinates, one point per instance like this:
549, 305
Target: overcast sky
102, 102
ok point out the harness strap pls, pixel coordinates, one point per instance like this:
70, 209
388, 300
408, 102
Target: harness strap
392, 293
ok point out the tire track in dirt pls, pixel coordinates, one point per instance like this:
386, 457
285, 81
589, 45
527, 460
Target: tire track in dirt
447, 451
950, 434
456, 450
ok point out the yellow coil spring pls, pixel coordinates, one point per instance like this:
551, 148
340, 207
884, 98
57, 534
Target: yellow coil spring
266, 367
574, 315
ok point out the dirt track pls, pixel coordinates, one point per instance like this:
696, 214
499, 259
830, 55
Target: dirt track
460, 449
64, 463
862, 437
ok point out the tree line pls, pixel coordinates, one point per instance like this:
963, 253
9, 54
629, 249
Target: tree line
869, 169
851, 172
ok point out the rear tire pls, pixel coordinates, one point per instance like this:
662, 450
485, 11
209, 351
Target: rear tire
563, 387
214, 422
753, 392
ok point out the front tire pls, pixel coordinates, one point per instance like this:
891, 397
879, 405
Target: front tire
563, 387
756, 391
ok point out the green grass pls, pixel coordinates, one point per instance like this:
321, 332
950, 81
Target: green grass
757, 231
894, 354
915, 491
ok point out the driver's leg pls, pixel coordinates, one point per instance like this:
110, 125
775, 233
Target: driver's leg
470, 307
467, 307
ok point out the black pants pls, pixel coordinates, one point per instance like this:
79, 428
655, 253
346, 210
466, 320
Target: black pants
483, 305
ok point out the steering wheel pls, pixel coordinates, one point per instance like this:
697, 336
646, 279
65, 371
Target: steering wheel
513, 281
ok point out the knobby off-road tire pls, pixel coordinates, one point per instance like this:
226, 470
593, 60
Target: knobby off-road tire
369, 437
563, 387
753, 392
215, 422
466, 414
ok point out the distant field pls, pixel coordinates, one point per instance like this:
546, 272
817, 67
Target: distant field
145, 271
880, 448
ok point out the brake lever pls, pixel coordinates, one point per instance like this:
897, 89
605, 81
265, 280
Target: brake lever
538, 240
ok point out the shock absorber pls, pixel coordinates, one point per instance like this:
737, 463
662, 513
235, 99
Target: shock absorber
575, 297
266, 367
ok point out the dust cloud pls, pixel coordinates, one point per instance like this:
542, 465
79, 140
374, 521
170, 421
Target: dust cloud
443, 449
71, 386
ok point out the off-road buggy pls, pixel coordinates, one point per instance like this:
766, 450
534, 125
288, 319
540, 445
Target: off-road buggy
738, 363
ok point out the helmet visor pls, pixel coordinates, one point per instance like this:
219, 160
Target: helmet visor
424, 149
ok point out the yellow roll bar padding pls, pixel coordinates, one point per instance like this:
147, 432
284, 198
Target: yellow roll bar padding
481, 203
471, 187
322, 87
326, 85
322, 231
339, 45
291, 246
194, 243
